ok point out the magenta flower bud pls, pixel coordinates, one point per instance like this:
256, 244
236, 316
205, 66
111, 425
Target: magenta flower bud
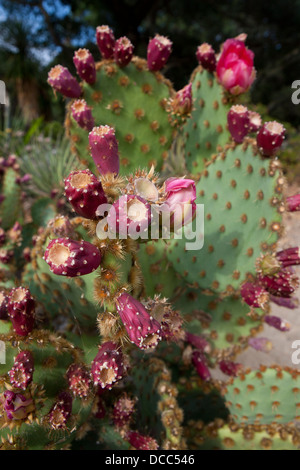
107, 367
293, 203
22, 371
182, 103
63, 81
289, 256
287, 302
106, 41
141, 442
72, 258
123, 51
104, 149
11, 160
16, 405
84, 191
200, 364
282, 284
199, 342
277, 323
255, 121
238, 122
270, 138
3, 306
158, 52
254, 295
129, 215
123, 411
180, 200
85, 65
6, 256
143, 330
21, 308
82, 113
230, 368
61, 411
78, 380
260, 344
206, 57
235, 69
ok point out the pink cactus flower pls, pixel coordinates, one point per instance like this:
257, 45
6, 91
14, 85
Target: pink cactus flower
235, 69
129, 216
182, 103
180, 200
17, 406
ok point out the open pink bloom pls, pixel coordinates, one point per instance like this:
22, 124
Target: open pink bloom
235, 69
143, 330
180, 200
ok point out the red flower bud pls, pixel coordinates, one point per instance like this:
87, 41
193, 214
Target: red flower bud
158, 52
78, 380
238, 122
104, 149
22, 371
141, 442
206, 57
106, 41
72, 258
21, 310
123, 51
270, 138
84, 191
254, 295
82, 114
60, 411
200, 363
63, 81
143, 330
107, 367
85, 65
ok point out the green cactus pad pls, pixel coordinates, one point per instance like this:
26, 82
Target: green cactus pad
269, 395
242, 200
224, 322
230, 437
205, 132
132, 100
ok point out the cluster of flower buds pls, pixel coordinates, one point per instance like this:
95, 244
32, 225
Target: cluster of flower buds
21, 307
